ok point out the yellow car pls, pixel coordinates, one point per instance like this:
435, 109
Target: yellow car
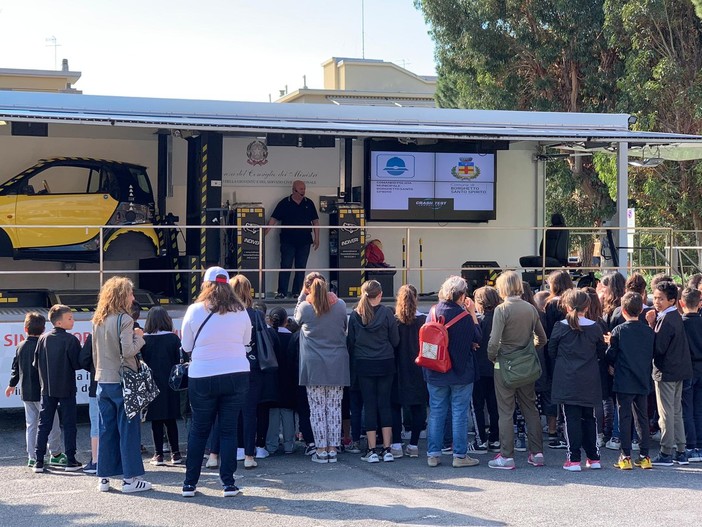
70, 191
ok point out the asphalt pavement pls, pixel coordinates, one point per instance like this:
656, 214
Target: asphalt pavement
291, 491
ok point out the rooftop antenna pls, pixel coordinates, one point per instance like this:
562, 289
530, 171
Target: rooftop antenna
363, 29
53, 42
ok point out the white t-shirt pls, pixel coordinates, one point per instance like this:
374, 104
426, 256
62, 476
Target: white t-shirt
220, 346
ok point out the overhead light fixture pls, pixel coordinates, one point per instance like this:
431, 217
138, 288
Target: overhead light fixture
3, 123
647, 162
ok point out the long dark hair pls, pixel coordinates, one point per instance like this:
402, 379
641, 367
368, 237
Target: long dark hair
616, 287
577, 302
158, 319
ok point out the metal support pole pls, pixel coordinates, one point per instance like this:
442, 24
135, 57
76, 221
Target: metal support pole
261, 292
622, 204
421, 270
407, 263
404, 261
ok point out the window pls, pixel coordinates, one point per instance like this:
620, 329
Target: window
64, 179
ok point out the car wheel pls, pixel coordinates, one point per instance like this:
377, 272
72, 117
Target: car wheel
130, 246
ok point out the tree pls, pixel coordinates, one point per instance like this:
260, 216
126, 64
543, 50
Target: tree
545, 55
661, 43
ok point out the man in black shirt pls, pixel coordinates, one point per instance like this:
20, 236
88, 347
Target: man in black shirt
295, 209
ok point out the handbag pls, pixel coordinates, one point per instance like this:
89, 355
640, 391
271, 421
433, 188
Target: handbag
520, 367
138, 387
265, 349
178, 378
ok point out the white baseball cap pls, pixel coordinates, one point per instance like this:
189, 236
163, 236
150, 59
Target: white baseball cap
216, 274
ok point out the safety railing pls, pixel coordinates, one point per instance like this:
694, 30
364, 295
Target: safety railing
645, 258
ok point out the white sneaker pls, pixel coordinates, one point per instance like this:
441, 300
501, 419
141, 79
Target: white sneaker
387, 455
261, 453
240, 455
600, 440
614, 444
212, 461
504, 463
138, 485
412, 451
370, 456
103, 485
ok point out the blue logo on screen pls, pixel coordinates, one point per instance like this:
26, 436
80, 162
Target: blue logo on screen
395, 166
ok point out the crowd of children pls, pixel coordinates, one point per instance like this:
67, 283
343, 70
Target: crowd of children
616, 372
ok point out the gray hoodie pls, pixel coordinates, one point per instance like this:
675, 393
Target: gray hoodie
375, 341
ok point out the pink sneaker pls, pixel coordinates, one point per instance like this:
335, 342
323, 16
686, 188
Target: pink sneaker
572, 466
536, 459
594, 464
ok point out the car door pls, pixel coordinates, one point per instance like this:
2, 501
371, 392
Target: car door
63, 196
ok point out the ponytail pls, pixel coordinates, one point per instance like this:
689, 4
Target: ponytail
318, 297
369, 289
577, 302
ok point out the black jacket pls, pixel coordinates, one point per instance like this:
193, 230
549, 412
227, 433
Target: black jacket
576, 373
411, 384
552, 314
161, 353
288, 374
630, 351
692, 322
24, 372
671, 353
56, 358
86, 362
462, 335
485, 366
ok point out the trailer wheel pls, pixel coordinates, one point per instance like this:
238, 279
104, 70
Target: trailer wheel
5, 244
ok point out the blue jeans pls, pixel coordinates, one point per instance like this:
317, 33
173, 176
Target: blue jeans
220, 396
442, 398
289, 254
119, 446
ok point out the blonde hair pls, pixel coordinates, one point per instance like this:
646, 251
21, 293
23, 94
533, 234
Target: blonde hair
318, 297
114, 298
242, 289
369, 289
509, 283
406, 307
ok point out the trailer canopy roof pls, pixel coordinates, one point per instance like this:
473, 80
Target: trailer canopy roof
570, 131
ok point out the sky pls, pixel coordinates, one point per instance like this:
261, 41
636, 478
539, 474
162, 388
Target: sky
211, 49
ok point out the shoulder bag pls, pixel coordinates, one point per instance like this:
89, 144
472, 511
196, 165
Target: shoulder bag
178, 378
520, 367
138, 387
265, 349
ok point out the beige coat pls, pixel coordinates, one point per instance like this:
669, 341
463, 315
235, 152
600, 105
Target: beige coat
106, 356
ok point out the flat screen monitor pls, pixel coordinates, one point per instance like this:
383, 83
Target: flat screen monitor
431, 186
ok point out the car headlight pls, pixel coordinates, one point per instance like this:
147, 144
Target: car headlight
130, 213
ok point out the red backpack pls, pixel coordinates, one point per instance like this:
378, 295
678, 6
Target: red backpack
434, 342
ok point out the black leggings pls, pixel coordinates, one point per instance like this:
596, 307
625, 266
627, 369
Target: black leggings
581, 431
484, 393
376, 393
415, 419
172, 431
